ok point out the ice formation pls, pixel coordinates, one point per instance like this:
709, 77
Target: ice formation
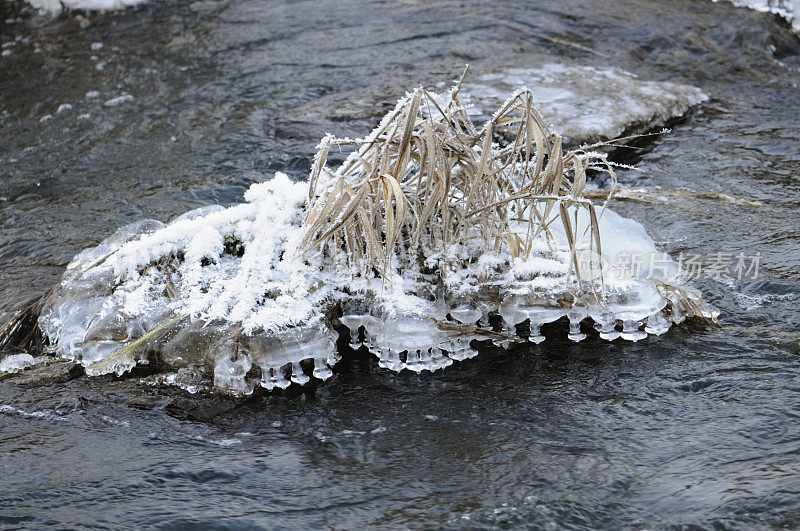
427, 228
16, 362
587, 103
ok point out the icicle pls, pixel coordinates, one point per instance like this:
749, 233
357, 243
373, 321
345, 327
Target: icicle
355, 339
512, 316
502, 343
298, 376
266, 379
333, 358
231, 367
413, 362
321, 369
466, 313
575, 316
657, 324
369, 340
425, 359
631, 332
353, 324
535, 336
458, 349
608, 330
390, 359
575, 333
439, 360
383, 358
273, 377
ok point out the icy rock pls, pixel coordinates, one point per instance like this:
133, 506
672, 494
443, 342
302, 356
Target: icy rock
121, 292
46, 373
586, 103
229, 292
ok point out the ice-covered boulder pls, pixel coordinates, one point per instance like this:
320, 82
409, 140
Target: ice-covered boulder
427, 228
587, 103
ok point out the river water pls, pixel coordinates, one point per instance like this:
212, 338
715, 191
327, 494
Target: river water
696, 427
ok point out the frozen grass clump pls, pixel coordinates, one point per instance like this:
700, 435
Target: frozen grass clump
430, 225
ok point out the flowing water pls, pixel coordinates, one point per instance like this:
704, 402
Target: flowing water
698, 426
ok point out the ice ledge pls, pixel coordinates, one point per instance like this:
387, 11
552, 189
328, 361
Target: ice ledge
586, 103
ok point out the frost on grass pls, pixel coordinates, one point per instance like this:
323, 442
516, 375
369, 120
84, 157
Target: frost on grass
425, 230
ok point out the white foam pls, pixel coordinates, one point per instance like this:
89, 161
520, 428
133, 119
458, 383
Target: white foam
119, 100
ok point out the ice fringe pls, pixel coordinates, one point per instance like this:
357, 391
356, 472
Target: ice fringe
426, 228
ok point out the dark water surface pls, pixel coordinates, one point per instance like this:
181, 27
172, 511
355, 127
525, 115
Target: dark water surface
699, 426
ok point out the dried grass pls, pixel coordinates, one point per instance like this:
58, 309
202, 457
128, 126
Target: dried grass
426, 173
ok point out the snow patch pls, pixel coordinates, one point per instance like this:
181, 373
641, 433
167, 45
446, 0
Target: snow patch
788, 9
54, 7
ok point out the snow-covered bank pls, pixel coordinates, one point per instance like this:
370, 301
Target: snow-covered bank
788, 9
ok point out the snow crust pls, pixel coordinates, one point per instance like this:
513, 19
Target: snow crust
586, 103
